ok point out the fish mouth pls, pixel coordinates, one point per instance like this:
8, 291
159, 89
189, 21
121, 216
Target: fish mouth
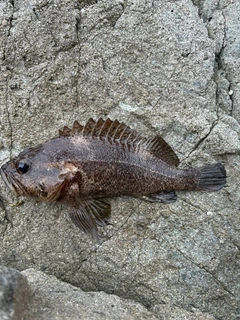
10, 183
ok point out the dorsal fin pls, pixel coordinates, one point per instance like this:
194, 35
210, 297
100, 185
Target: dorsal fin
159, 147
119, 133
76, 127
67, 132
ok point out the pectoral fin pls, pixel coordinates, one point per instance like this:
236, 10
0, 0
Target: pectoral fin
89, 214
100, 210
84, 222
162, 196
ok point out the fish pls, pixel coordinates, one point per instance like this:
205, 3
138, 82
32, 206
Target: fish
84, 165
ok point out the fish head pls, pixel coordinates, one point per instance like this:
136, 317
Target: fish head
33, 174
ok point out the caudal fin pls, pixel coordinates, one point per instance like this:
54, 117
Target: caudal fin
212, 177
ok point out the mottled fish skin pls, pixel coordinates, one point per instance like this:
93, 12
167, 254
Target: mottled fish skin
99, 160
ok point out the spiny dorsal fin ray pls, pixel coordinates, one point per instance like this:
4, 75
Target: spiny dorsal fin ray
77, 127
118, 132
66, 132
88, 128
102, 128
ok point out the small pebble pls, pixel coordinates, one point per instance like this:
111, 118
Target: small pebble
209, 213
4, 22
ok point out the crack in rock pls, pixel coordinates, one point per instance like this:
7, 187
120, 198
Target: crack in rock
201, 141
204, 268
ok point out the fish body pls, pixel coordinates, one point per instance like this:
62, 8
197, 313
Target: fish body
104, 159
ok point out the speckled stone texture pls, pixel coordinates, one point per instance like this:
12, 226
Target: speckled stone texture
14, 293
163, 67
56, 300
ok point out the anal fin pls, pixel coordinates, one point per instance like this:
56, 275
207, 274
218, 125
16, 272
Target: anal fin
89, 214
162, 196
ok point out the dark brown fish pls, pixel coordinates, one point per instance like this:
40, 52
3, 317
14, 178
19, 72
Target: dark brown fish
104, 159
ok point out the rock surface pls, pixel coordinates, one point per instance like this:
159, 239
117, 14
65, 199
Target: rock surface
14, 292
53, 299
168, 67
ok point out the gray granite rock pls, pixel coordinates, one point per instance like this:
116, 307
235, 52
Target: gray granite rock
222, 21
167, 67
14, 293
53, 299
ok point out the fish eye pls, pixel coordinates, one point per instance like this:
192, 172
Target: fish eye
22, 167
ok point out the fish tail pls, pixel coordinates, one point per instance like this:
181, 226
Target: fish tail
211, 177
